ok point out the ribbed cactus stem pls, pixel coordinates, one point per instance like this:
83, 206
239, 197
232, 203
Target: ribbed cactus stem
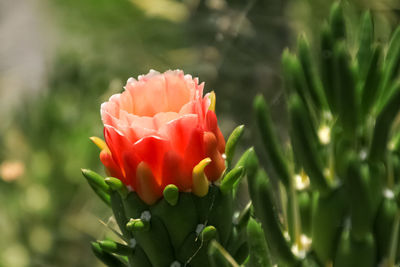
394, 241
296, 216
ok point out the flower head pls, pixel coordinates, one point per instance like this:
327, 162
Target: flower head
158, 130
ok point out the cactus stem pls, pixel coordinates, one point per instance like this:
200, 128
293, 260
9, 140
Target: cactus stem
295, 215
394, 241
199, 229
132, 243
390, 178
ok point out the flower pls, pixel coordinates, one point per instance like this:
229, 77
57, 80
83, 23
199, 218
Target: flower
158, 130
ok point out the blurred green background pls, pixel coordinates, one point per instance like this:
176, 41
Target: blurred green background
60, 59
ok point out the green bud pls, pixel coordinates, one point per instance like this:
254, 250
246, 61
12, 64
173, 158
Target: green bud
97, 183
209, 232
117, 185
114, 247
95, 179
138, 225
171, 194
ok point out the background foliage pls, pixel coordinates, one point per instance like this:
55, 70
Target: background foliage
59, 60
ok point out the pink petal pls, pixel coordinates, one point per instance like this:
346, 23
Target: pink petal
162, 118
177, 90
149, 95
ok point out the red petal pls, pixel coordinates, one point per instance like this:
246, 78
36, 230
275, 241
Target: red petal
117, 143
178, 131
173, 172
151, 150
110, 165
146, 187
217, 166
212, 126
194, 151
211, 121
221, 141
130, 161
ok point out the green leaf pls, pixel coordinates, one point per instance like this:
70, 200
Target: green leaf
261, 193
115, 247
305, 145
270, 140
219, 257
356, 252
107, 258
336, 21
259, 253
328, 68
366, 39
230, 179
346, 89
313, 83
371, 85
327, 220
232, 142
383, 125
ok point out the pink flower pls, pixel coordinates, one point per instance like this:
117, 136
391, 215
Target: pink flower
158, 130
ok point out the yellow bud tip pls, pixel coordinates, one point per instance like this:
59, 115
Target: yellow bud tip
99, 143
200, 181
213, 99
